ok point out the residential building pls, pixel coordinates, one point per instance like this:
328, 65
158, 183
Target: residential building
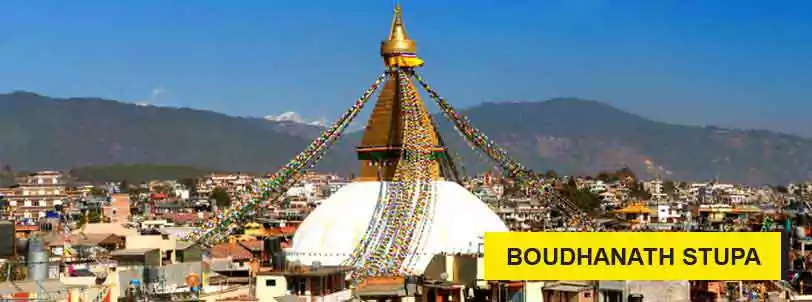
36, 194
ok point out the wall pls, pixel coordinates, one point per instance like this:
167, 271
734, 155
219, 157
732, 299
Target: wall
121, 204
176, 273
534, 290
84, 294
153, 241
269, 293
124, 277
341, 296
665, 291
191, 254
465, 269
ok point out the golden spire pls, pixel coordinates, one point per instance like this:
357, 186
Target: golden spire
383, 140
398, 50
398, 31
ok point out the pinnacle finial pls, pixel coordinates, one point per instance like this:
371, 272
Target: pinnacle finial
398, 42
398, 30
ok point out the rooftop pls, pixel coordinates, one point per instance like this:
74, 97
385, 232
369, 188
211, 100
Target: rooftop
304, 271
132, 252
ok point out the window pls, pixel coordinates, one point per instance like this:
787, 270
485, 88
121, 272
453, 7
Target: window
27, 203
12, 203
270, 283
43, 203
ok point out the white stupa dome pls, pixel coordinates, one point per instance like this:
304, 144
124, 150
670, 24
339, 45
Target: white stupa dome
330, 233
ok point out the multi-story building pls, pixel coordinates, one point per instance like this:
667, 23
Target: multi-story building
234, 184
36, 194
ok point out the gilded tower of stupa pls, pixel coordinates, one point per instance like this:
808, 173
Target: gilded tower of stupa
381, 146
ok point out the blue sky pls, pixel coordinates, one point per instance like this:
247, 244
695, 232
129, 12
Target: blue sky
724, 62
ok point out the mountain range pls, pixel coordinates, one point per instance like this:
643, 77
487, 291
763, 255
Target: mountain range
571, 136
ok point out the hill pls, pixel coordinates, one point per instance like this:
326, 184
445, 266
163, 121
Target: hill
38, 132
136, 173
585, 137
568, 135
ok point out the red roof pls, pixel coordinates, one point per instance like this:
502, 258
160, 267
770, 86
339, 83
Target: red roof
233, 250
184, 217
156, 196
253, 245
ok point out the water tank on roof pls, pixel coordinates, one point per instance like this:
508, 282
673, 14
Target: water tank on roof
7, 230
272, 245
21, 246
279, 261
36, 244
37, 265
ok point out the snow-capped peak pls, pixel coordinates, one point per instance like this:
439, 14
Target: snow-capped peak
296, 118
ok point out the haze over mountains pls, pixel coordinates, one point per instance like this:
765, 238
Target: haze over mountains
569, 135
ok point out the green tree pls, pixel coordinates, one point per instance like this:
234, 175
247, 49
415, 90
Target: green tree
669, 187
91, 216
626, 175
584, 199
98, 191
94, 216
220, 197
124, 186
162, 189
607, 177
637, 191
550, 174
12, 271
190, 184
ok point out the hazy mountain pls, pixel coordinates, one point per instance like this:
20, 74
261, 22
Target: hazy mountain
570, 136
585, 137
38, 132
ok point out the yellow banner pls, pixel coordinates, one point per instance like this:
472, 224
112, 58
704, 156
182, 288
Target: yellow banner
633, 256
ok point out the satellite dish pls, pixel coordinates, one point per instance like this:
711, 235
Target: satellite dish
444, 276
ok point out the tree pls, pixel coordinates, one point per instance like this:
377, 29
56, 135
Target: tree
162, 189
17, 271
190, 184
124, 187
636, 190
97, 191
220, 197
669, 187
94, 216
781, 189
626, 174
550, 174
584, 199
606, 176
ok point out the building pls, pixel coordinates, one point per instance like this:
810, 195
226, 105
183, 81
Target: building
36, 194
234, 184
